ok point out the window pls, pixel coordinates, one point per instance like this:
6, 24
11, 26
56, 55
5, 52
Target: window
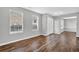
35, 23
16, 21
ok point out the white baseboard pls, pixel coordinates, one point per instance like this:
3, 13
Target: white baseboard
70, 29
1, 44
45, 34
77, 35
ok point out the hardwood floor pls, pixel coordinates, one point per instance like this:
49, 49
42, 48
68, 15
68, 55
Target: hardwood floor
68, 42
64, 42
77, 44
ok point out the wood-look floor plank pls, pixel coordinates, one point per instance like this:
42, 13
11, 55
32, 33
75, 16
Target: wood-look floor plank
64, 42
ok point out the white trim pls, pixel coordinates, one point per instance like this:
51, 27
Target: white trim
77, 35
1, 44
70, 17
35, 23
45, 34
15, 32
70, 29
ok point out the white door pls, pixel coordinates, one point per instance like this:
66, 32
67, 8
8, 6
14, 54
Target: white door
62, 25
49, 25
57, 27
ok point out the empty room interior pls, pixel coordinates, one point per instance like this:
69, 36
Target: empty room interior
39, 29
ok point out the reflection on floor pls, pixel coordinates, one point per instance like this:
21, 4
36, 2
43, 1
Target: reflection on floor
64, 42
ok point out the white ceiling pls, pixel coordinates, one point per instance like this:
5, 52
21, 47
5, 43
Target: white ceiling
54, 11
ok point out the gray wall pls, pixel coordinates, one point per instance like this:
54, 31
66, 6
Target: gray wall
70, 24
77, 34
27, 18
44, 23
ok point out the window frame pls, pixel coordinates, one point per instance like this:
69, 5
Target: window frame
10, 15
37, 22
